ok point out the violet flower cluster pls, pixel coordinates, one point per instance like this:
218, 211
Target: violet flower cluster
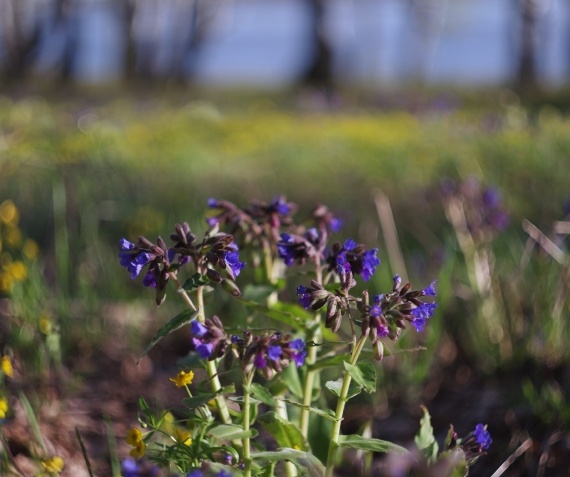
474, 445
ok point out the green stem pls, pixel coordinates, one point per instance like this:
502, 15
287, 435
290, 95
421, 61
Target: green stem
342, 400
247, 379
315, 336
211, 366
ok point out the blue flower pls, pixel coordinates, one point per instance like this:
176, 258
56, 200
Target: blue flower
305, 297
335, 224
197, 328
195, 473
274, 353
232, 261
430, 290
421, 314
259, 361
482, 436
132, 258
286, 250
360, 260
299, 346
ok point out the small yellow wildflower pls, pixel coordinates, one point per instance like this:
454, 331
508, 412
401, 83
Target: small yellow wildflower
183, 378
13, 236
3, 407
31, 249
45, 326
9, 212
6, 283
17, 271
182, 436
134, 436
138, 450
53, 464
7, 368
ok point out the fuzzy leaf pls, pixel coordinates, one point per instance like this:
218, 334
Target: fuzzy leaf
330, 361
195, 281
178, 321
195, 402
364, 374
227, 432
304, 460
284, 432
368, 444
425, 440
327, 413
335, 387
261, 393
290, 376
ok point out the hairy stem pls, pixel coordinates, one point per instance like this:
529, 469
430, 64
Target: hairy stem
247, 379
342, 400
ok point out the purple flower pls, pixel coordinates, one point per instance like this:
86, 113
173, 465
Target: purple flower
197, 328
299, 346
482, 436
421, 314
279, 205
304, 297
260, 362
132, 258
274, 353
151, 277
430, 290
141, 468
286, 250
335, 224
360, 260
195, 473
204, 350
232, 261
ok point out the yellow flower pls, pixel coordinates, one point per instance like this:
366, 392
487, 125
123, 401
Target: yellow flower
30, 249
13, 236
7, 366
45, 325
134, 436
138, 450
17, 271
9, 213
6, 283
183, 378
3, 407
53, 464
182, 436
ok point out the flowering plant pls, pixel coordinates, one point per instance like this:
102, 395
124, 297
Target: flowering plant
279, 390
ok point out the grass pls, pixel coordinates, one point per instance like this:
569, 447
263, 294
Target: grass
83, 174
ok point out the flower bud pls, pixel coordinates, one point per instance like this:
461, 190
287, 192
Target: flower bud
231, 287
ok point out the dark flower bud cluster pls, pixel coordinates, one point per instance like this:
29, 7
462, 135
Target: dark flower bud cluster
216, 250
316, 297
208, 339
325, 220
269, 354
388, 313
255, 222
293, 248
134, 257
474, 445
482, 207
354, 257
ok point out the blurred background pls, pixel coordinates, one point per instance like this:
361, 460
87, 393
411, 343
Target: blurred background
371, 43
437, 130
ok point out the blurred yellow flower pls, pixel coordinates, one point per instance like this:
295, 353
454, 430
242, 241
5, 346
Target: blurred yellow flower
183, 378
31, 249
13, 236
138, 450
3, 407
53, 464
182, 436
134, 436
45, 325
17, 271
7, 366
9, 213
6, 283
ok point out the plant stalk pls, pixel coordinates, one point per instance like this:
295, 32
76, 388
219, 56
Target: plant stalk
247, 379
342, 400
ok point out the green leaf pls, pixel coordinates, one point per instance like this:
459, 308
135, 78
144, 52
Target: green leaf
260, 293
284, 432
195, 402
304, 460
228, 432
261, 393
368, 444
178, 321
290, 376
287, 313
195, 281
335, 387
364, 373
452, 463
330, 361
326, 413
425, 440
